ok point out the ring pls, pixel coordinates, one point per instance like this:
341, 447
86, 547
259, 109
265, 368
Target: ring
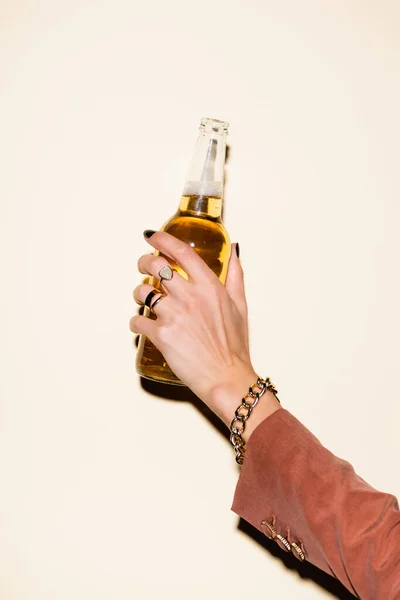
150, 297
166, 273
156, 302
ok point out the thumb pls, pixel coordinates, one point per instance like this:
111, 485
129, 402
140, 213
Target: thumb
235, 281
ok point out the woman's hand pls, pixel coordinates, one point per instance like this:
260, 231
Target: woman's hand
201, 327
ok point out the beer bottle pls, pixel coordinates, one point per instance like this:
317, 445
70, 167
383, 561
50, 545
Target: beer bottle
198, 223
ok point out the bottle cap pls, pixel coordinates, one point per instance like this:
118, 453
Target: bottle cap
208, 124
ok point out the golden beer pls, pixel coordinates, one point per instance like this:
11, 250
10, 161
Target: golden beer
198, 223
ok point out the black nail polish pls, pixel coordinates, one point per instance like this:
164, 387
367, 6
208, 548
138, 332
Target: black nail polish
237, 250
148, 233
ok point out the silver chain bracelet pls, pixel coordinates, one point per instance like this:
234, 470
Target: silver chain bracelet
243, 412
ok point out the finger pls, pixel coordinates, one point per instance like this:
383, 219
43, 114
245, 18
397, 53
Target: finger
159, 307
183, 254
144, 326
235, 282
141, 292
152, 265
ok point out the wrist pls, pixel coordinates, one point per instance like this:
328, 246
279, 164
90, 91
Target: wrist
226, 399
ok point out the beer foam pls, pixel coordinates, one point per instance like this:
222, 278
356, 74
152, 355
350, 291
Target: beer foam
203, 188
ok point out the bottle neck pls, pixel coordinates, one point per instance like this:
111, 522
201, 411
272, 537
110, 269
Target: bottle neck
204, 188
204, 207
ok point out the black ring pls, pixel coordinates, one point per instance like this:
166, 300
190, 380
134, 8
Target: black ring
150, 297
156, 302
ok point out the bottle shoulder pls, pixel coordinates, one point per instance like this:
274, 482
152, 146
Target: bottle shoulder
182, 225
209, 238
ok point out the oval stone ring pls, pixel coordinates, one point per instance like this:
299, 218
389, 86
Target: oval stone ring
165, 274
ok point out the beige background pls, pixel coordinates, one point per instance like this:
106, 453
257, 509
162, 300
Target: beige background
107, 491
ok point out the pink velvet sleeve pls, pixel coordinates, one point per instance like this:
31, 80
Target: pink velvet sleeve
316, 500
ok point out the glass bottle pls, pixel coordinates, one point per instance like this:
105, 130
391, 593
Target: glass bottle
198, 223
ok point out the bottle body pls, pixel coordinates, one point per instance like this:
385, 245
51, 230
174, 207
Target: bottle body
198, 223
209, 238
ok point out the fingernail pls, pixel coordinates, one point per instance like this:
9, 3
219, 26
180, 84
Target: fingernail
237, 249
148, 233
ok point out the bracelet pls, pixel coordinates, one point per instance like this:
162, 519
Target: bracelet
243, 412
